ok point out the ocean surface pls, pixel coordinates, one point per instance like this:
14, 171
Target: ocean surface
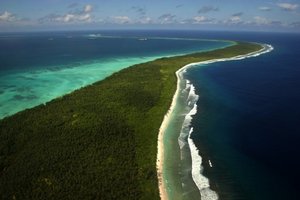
246, 124
248, 117
38, 67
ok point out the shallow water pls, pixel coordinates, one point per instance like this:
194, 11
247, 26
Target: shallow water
38, 67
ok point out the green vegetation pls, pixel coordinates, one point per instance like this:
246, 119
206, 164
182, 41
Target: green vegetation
99, 142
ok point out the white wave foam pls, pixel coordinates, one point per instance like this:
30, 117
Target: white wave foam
201, 181
187, 87
266, 49
192, 97
210, 164
184, 139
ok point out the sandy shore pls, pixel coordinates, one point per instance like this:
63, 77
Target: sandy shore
160, 143
162, 129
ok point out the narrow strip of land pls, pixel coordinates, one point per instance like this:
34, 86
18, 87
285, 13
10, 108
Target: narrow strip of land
165, 187
99, 142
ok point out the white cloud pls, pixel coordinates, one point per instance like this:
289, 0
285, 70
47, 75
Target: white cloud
261, 20
288, 6
235, 19
121, 19
81, 16
88, 8
66, 18
200, 19
167, 18
7, 17
73, 18
265, 22
145, 20
264, 8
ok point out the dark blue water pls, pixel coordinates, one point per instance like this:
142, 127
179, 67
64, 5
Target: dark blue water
248, 120
22, 51
38, 67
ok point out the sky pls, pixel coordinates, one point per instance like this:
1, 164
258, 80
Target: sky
252, 15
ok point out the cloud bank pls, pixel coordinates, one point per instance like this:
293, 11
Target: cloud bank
287, 6
207, 9
7, 17
74, 16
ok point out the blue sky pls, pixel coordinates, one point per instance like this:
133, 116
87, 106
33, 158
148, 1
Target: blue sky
256, 15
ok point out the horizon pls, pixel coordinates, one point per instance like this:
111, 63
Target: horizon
214, 15
149, 29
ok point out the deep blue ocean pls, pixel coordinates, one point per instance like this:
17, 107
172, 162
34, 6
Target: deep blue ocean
248, 119
52, 49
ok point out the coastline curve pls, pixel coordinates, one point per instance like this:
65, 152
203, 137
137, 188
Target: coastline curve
199, 179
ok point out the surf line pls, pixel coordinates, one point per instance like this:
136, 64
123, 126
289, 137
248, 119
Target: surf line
199, 179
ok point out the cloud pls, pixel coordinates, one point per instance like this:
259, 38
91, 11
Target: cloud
121, 19
199, 20
167, 18
264, 8
261, 20
179, 6
264, 22
203, 20
145, 20
287, 6
235, 19
49, 18
67, 18
79, 16
239, 14
7, 17
295, 24
88, 8
206, 9
276, 23
141, 11
142, 18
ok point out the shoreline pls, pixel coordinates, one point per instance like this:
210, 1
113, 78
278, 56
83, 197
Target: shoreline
160, 146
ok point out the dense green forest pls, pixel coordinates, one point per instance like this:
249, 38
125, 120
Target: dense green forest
98, 142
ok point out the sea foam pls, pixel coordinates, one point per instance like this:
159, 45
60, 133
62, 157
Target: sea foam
201, 181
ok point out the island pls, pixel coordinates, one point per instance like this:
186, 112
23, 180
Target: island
102, 141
